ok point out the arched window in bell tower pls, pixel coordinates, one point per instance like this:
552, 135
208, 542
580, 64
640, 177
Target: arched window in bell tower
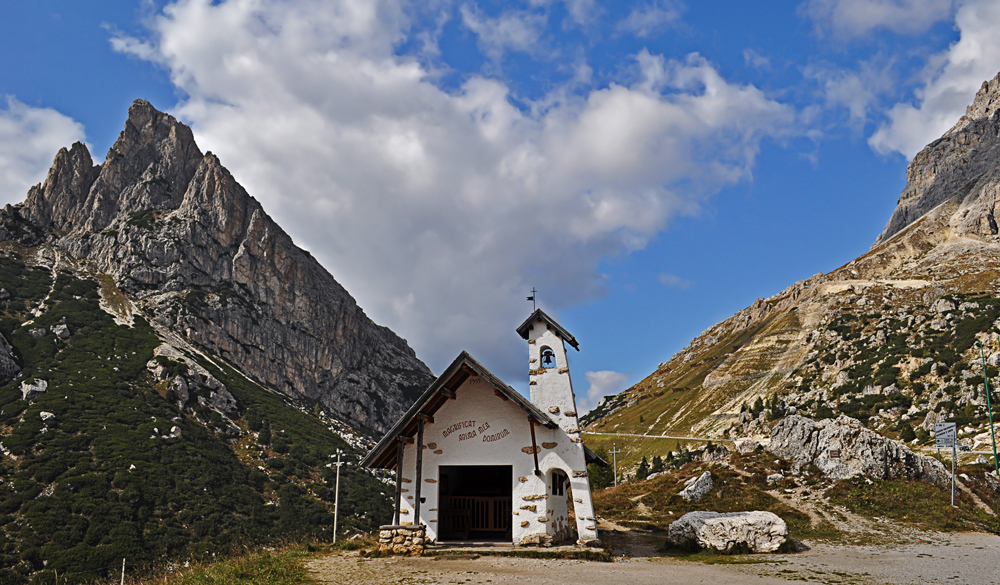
548, 357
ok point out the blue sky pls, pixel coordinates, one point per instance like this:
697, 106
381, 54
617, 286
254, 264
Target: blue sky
651, 167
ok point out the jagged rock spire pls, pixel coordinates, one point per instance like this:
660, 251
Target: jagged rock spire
177, 230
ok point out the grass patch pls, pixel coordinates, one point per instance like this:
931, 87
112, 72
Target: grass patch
255, 568
913, 502
114, 297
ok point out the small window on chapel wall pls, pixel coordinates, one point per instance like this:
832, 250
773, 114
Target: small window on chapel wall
548, 358
558, 483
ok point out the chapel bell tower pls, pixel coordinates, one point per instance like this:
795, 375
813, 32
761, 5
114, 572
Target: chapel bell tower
548, 368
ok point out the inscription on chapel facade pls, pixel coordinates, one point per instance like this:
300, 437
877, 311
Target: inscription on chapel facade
467, 430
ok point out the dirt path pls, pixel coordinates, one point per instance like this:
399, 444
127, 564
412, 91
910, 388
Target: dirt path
931, 558
354, 570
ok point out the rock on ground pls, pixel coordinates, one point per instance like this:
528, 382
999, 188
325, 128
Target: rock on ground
697, 489
33, 390
8, 367
759, 531
719, 453
746, 446
860, 451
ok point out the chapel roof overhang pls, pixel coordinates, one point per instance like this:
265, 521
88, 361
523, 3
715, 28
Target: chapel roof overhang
540, 315
591, 457
383, 455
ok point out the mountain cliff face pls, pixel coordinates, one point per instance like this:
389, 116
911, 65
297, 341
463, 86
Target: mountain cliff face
960, 167
201, 257
889, 338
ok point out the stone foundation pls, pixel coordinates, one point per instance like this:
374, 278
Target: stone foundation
537, 539
401, 540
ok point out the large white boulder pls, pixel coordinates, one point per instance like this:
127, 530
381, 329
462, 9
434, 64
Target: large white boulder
842, 448
759, 531
697, 488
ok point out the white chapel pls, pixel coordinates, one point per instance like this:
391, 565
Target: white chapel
474, 460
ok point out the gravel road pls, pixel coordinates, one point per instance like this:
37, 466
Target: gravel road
933, 558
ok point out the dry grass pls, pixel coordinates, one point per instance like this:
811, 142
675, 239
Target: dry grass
918, 503
114, 297
280, 566
655, 503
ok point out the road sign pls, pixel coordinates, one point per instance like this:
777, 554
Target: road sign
945, 434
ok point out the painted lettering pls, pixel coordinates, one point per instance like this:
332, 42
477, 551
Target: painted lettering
467, 435
495, 436
459, 425
483, 427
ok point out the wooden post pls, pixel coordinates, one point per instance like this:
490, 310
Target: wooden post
534, 446
399, 476
420, 469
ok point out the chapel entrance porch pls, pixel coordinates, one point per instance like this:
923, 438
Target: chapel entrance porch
475, 502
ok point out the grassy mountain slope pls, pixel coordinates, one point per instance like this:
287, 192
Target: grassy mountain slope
888, 338
104, 478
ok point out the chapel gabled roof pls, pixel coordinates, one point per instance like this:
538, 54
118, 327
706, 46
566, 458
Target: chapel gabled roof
540, 315
383, 455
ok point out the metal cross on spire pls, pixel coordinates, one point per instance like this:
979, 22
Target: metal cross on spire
532, 298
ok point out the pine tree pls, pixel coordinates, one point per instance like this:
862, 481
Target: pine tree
643, 471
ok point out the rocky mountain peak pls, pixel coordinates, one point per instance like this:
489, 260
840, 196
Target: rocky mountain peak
962, 169
148, 167
987, 102
58, 201
181, 236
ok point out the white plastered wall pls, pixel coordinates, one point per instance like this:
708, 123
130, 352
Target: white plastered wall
552, 392
459, 435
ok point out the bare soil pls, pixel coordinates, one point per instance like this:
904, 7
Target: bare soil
914, 558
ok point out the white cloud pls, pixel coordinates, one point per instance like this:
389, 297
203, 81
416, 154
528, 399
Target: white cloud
514, 30
950, 83
651, 18
29, 140
438, 210
755, 59
857, 18
674, 281
858, 90
583, 12
602, 383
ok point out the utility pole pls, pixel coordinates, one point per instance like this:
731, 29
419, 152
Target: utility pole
614, 457
336, 497
989, 408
